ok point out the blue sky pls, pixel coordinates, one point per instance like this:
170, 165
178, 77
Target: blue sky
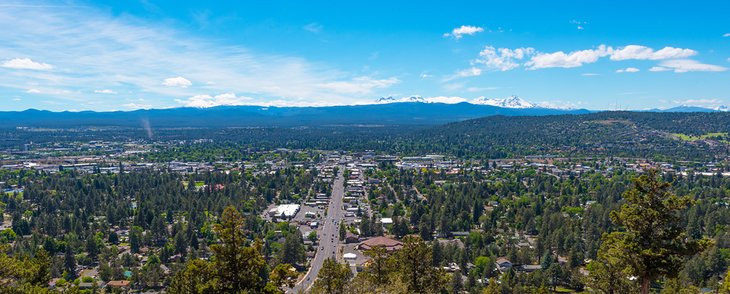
124, 55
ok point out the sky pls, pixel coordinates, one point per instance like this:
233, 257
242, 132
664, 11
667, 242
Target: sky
125, 55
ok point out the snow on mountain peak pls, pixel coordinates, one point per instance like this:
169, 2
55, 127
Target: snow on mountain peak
412, 98
509, 102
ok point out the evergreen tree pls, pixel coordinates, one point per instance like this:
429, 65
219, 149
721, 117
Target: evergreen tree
654, 243
69, 263
238, 267
332, 278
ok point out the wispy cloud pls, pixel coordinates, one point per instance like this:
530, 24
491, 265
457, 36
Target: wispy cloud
463, 30
707, 103
686, 65
481, 89
26, 63
137, 106
217, 100
579, 25
359, 85
313, 28
133, 55
177, 82
105, 91
628, 70
464, 73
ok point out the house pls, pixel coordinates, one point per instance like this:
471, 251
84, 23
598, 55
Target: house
385, 242
118, 284
503, 264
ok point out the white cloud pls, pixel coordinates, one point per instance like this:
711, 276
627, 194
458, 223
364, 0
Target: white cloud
105, 91
445, 99
701, 102
225, 99
590, 74
505, 59
33, 91
459, 32
424, 75
628, 69
687, 65
469, 72
137, 106
645, 53
177, 82
502, 59
579, 24
481, 89
567, 60
659, 69
726, 35
26, 63
313, 27
359, 85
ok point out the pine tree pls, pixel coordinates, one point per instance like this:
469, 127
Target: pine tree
415, 270
69, 263
653, 243
238, 267
332, 278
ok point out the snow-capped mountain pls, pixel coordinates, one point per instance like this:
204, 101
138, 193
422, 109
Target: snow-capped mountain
692, 108
509, 102
391, 99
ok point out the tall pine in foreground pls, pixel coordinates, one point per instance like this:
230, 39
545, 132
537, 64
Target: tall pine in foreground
652, 241
235, 267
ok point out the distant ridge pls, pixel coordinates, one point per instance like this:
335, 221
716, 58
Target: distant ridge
413, 112
689, 108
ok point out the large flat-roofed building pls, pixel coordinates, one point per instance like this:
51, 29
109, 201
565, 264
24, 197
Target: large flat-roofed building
284, 211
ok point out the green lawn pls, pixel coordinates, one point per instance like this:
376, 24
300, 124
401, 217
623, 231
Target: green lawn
684, 137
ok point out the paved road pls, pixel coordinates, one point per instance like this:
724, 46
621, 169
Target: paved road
328, 236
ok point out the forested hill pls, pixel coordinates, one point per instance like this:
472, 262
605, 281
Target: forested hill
640, 134
679, 136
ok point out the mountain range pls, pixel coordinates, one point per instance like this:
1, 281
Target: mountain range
385, 113
509, 102
412, 110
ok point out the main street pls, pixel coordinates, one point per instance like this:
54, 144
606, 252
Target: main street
329, 235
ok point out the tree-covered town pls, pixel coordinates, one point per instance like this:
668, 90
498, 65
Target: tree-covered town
136, 216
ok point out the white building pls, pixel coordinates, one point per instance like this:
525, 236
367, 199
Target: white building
287, 211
